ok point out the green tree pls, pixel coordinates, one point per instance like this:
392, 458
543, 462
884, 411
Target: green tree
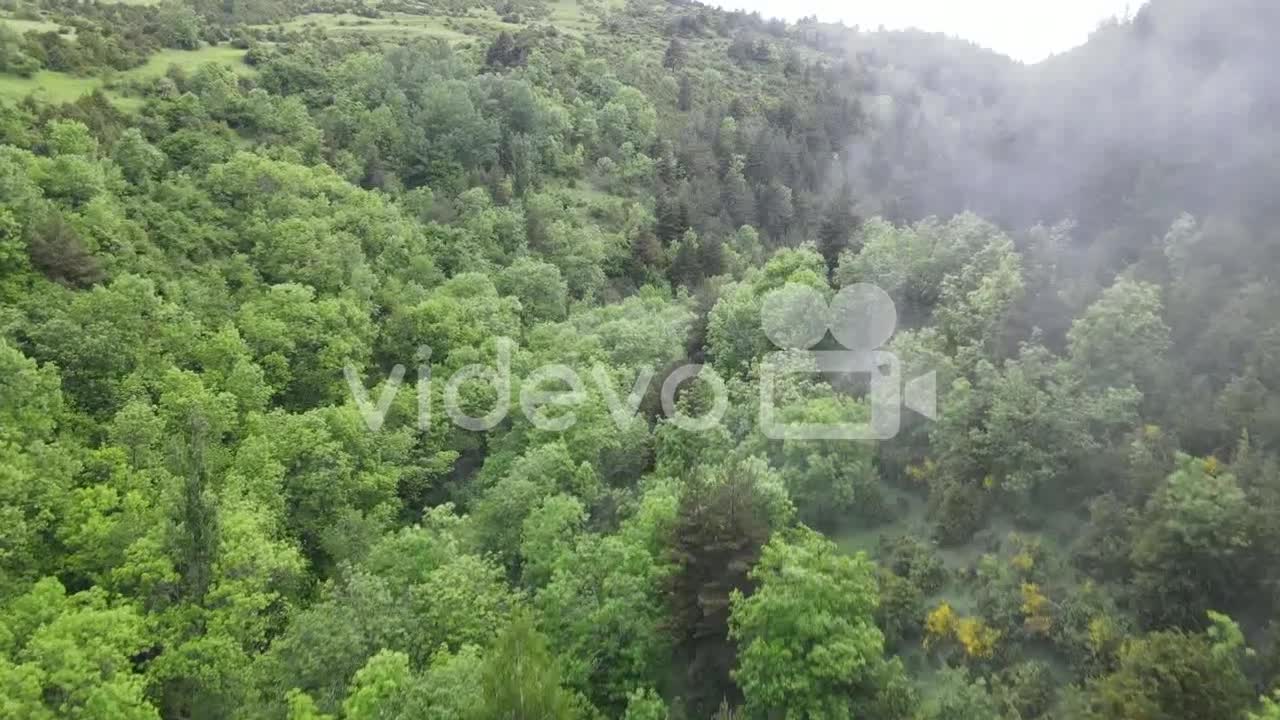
604, 611
959, 697
139, 160
1193, 552
71, 656
1172, 674
1269, 710
542, 292
808, 638
179, 26
380, 688
735, 331
828, 482
1122, 340
520, 678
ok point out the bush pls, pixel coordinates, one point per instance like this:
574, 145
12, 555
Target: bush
1025, 690
910, 558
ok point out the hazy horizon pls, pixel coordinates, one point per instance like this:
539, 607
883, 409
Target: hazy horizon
1026, 31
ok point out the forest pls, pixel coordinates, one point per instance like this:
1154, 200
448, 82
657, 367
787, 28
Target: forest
252, 250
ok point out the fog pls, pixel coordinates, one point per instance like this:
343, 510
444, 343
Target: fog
1172, 111
1025, 31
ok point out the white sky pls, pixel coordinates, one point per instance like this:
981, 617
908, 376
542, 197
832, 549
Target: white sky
1027, 30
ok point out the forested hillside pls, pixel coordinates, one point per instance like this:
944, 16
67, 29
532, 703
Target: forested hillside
250, 252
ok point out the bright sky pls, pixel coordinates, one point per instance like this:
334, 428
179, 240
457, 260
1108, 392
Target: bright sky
1027, 30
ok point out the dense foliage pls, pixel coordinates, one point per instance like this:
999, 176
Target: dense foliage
232, 299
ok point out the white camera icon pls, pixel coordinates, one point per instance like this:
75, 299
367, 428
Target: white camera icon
860, 317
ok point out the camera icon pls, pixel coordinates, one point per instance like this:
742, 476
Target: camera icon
861, 318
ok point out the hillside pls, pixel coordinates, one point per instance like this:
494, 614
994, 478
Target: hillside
354, 356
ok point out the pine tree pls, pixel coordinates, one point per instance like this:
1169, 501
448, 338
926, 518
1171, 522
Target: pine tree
684, 102
505, 52
676, 56
721, 527
835, 231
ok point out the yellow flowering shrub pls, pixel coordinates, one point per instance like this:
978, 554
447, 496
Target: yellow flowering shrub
1036, 607
978, 639
939, 625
